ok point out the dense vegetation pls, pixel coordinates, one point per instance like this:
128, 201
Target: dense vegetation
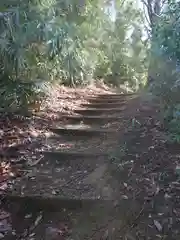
68, 43
44, 41
166, 66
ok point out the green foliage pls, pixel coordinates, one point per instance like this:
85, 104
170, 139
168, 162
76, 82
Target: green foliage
68, 43
166, 55
122, 49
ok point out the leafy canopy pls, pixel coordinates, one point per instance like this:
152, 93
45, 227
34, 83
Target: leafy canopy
52, 40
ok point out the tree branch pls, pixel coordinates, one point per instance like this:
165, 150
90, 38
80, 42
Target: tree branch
149, 9
145, 3
147, 19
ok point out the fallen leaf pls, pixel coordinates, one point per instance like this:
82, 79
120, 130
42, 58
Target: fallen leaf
1, 236
38, 219
4, 215
28, 216
54, 192
124, 197
158, 225
3, 186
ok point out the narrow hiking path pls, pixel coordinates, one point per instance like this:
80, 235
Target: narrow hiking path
108, 173
80, 171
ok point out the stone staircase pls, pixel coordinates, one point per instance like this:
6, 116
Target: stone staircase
79, 174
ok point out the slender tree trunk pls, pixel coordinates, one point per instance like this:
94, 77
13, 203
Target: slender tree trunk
153, 8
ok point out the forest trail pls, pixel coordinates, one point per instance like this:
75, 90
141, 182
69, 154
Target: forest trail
106, 172
81, 171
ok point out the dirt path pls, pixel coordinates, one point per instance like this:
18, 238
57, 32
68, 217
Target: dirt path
100, 185
77, 172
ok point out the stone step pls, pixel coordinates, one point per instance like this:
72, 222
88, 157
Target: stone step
103, 105
73, 184
115, 95
70, 132
110, 99
45, 203
106, 100
96, 111
90, 119
72, 155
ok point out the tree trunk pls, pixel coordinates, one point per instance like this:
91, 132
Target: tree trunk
153, 8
